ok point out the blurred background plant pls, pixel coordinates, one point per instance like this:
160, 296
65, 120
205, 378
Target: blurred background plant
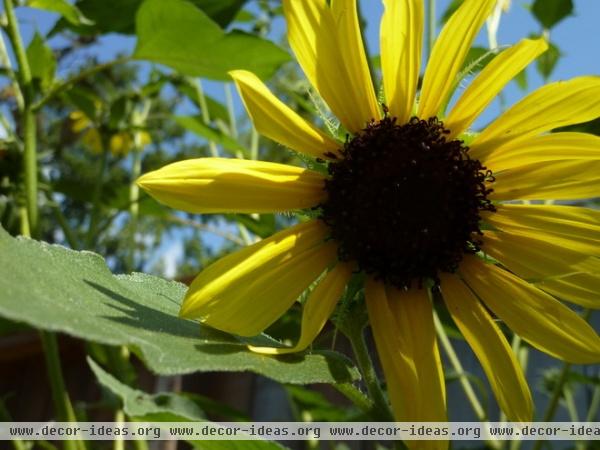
95, 92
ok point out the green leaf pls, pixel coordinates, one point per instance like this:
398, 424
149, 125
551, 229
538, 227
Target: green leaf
168, 407
221, 11
57, 289
264, 225
521, 80
195, 125
165, 407
70, 12
476, 60
116, 16
181, 36
41, 61
546, 62
451, 9
551, 12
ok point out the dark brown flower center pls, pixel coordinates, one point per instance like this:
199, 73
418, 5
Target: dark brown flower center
404, 202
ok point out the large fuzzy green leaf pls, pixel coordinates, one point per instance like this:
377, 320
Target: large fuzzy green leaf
169, 407
164, 406
183, 37
57, 289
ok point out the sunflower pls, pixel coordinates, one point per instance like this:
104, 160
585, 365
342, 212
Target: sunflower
423, 208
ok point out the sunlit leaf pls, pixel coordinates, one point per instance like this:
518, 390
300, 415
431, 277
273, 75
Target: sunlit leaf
70, 12
54, 288
179, 35
41, 61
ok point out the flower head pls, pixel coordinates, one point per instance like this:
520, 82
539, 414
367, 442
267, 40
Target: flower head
408, 202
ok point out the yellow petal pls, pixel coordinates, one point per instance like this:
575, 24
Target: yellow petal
414, 314
317, 309
328, 46
553, 180
548, 147
394, 353
530, 257
582, 224
552, 106
244, 292
490, 82
449, 53
579, 288
490, 346
211, 185
401, 38
402, 324
275, 120
534, 315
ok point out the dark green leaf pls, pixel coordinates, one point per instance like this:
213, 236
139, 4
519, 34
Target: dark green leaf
85, 100
165, 407
451, 9
551, 12
118, 16
181, 36
546, 63
57, 289
592, 127
195, 125
41, 61
221, 11
521, 80
120, 111
263, 226
70, 12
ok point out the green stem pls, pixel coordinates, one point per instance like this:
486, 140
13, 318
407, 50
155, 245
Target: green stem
60, 396
458, 368
558, 390
28, 117
381, 408
431, 27
5, 62
354, 394
140, 444
96, 195
594, 405
17, 444
254, 144
205, 115
233, 132
119, 443
62, 221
